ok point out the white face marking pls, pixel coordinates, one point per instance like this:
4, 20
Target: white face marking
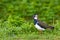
35, 16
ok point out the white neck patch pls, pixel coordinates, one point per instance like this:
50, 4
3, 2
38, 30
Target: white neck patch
35, 17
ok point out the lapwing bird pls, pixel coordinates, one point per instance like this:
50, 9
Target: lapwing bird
40, 25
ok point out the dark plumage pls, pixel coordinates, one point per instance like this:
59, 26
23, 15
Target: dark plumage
43, 25
40, 24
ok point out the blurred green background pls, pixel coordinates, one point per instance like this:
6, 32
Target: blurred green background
16, 22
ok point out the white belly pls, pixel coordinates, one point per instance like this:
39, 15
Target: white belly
38, 27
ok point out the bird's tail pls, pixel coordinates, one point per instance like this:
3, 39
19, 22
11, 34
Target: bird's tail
51, 27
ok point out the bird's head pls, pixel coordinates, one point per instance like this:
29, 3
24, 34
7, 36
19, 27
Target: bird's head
35, 16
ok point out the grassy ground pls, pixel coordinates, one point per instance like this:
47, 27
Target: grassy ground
14, 33
34, 37
54, 35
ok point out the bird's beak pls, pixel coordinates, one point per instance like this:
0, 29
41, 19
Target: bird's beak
33, 16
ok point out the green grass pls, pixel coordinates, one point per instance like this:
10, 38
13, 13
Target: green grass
46, 35
16, 19
28, 32
33, 36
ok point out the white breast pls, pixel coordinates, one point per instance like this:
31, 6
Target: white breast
38, 27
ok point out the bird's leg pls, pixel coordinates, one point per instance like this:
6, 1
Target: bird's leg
40, 32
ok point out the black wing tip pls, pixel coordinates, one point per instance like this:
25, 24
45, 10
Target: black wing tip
51, 27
